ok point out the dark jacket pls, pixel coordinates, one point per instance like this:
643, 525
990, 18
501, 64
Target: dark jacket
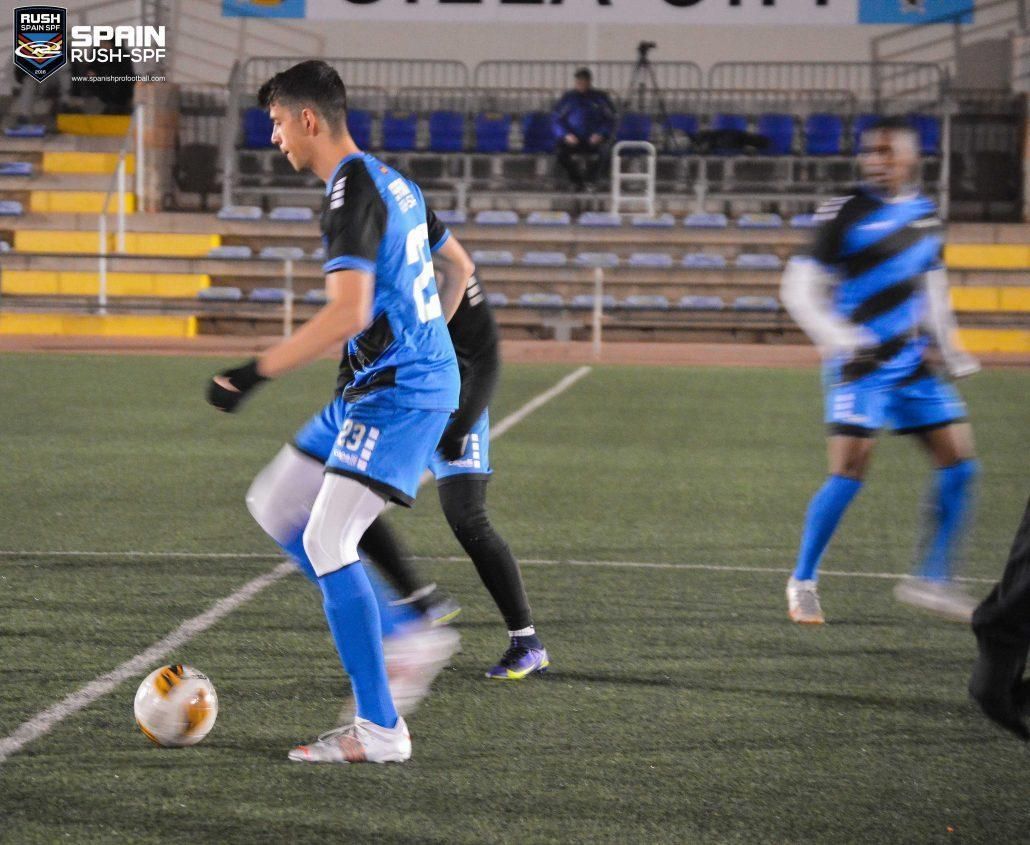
583, 115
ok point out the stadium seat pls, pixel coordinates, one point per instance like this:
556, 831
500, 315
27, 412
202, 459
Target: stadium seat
729, 122
257, 129
779, 130
446, 131
860, 124
399, 131
11, 208
823, 133
803, 221
496, 299
549, 218
545, 259
239, 212
493, 257
359, 124
452, 217
634, 126
292, 214
757, 261
4, 246
597, 259
15, 168
756, 303
220, 294
660, 221
694, 302
315, 296
227, 251
542, 300
538, 132
26, 130
646, 301
586, 301
267, 295
599, 219
318, 254
688, 124
759, 221
701, 220
282, 253
929, 129
704, 261
493, 133
497, 218
650, 259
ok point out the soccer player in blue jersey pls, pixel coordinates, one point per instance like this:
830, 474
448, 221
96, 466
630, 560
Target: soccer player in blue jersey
400, 377
873, 295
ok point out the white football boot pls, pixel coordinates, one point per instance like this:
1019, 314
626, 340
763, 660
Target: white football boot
803, 602
945, 598
360, 742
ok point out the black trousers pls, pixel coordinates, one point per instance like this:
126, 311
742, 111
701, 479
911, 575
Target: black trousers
1004, 616
572, 157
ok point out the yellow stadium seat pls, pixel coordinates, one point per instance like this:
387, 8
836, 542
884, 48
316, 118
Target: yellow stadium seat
1015, 299
172, 243
995, 340
974, 299
30, 240
75, 162
53, 282
111, 325
987, 256
76, 202
93, 124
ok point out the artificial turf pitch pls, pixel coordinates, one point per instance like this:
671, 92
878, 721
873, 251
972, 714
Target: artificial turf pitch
682, 705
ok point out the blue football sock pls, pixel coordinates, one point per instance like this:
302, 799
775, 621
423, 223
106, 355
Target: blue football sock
951, 501
393, 616
295, 549
350, 608
824, 512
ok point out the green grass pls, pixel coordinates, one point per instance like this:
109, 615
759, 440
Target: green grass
682, 707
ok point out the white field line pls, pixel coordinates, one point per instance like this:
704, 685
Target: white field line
44, 721
597, 564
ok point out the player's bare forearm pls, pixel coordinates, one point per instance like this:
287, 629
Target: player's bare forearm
347, 312
456, 268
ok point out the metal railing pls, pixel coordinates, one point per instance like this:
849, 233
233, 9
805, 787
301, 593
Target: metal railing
557, 77
118, 184
621, 178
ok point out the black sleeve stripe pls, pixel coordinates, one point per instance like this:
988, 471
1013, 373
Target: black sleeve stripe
355, 220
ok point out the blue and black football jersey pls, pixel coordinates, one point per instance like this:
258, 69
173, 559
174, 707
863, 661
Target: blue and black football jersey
879, 249
376, 220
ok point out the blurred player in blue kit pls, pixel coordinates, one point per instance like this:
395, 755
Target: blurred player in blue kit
873, 295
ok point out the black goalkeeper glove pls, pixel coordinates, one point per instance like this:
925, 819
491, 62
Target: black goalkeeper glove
242, 379
452, 445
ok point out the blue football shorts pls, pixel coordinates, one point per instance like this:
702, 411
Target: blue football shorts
863, 407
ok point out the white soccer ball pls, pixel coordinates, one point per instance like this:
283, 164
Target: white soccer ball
176, 706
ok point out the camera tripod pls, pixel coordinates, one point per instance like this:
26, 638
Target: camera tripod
643, 82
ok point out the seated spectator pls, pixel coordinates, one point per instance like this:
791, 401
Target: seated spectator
584, 120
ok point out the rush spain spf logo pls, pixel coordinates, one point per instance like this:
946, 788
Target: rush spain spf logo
40, 40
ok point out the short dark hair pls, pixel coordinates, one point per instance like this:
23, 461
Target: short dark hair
313, 84
891, 123
583, 73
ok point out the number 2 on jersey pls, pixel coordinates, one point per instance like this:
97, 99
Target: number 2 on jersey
418, 252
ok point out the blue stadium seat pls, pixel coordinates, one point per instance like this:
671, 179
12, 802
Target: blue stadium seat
597, 259
650, 259
859, 125
660, 221
220, 294
496, 299
634, 126
15, 168
230, 251
548, 218
27, 130
586, 301
282, 253
734, 122
316, 296
497, 218
823, 134
493, 257
292, 214
11, 208
704, 261
359, 124
537, 258
239, 212
267, 295
446, 131
599, 219
4, 246
542, 300
779, 129
538, 132
701, 220
318, 254
803, 221
758, 261
399, 131
493, 133
451, 217
688, 124
646, 302
756, 303
257, 129
929, 129
759, 221
694, 302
